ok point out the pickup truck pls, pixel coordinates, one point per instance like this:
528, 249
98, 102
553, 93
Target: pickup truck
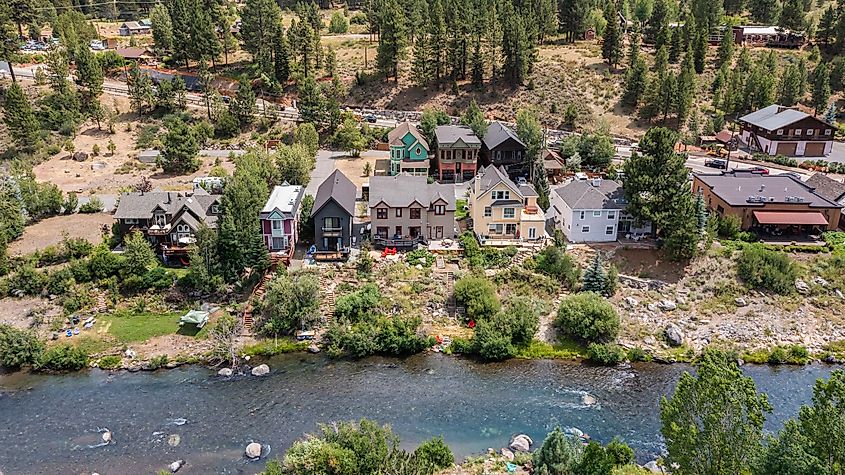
716, 163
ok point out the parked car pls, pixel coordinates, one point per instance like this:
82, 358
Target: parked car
716, 163
370, 118
760, 170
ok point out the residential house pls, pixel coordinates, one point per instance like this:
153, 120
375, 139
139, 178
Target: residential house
457, 152
142, 55
408, 150
776, 204
334, 207
771, 36
779, 130
280, 218
168, 219
502, 147
554, 165
131, 28
592, 211
406, 210
504, 212
829, 189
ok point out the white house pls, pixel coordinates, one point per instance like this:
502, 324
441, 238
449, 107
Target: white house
591, 211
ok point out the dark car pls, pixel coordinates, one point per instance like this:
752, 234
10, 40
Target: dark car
370, 118
716, 163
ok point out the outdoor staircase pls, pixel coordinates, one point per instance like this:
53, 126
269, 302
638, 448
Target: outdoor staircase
257, 293
327, 306
451, 303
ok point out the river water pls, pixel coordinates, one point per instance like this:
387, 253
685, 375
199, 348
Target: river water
49, 424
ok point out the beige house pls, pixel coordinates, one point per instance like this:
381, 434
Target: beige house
504, 212
406, 210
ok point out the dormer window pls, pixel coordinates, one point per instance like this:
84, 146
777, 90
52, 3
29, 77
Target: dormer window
780, 132
183, 228
797, 131
419, 151
215, 209
827, 131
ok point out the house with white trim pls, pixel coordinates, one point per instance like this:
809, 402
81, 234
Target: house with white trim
779, 130
280, 217
504, 212
592, 211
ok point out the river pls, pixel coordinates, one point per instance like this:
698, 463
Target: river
49, 423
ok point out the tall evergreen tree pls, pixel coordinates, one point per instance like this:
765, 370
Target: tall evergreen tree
243, 106
636, 79
260, 24
281, 58
311, 101
790, 86
180, 148
700, 51
656, 27
162, 28
473, 118
611, 50
764, 11
437, 38
393, 38
685, 91
792, 15
421, 61
726, 49
827, 26
821, 88
517, 49
595, 279
19, 119
676, 45
634, 45
89, 74
701, 213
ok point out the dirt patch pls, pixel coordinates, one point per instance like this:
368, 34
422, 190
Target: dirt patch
26, 312
51, 231
353, 168
172, 346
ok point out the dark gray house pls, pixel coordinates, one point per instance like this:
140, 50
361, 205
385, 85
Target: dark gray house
334, 207
502, 148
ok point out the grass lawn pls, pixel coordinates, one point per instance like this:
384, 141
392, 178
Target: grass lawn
129, 327
460, 209
565, 349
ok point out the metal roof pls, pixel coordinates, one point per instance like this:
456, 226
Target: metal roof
284, 198
745, 188
774, 117
790, 217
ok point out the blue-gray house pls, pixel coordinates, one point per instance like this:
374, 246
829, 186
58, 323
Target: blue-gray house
333, 209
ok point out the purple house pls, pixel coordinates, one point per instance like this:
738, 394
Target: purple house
280, 217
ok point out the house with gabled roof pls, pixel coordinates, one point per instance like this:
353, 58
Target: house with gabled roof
406, 210
131, 28
592, 211
280, 218
779, 130
408, 150
502, 147
503, 212
829, 189
458, 149
334, 208
168, 219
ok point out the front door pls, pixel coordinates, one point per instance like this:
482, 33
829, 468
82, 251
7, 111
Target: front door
438, 232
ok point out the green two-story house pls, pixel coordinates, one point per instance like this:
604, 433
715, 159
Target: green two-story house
408, 150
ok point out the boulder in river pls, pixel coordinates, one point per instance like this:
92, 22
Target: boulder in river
175, 466
173, 440
520, 443
674, 335
225, 372
253, 450
507, 454
107, 437
313, 348
260, 370
588, 400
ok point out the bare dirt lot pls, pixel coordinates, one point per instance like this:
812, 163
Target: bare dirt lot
51, 231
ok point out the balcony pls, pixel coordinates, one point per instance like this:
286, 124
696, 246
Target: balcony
158, 230
332, 231
396, 241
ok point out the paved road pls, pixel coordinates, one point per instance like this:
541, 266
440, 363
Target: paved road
324, 167
696, 163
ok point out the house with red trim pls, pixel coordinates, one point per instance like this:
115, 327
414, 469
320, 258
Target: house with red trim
458, 149
280, 218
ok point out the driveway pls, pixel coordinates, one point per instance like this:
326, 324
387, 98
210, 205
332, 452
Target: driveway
324, 167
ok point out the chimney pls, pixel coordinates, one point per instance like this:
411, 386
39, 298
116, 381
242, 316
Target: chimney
168, 198
762, 187
596, 182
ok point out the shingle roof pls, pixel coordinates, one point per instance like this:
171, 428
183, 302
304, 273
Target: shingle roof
827, 187
449, 134
338, 187
736, 187
285, 198
395, 136
774, 117
400, 191
581, 194
491, 176
498, 133
141, 205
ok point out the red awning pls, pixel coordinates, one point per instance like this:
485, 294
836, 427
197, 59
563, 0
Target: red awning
790, 217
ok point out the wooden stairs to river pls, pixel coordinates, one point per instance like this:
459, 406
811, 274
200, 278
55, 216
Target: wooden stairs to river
257, 293
329, 299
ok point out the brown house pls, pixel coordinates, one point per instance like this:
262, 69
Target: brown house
775, 204
779, 130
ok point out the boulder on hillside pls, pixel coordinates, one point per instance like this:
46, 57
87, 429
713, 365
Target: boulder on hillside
520, 443
674, 335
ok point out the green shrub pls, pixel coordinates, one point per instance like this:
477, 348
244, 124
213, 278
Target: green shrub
94, 205
420, 256
338, 24
620, 452
18, 347
396, 336
227, 126
436, 453
588, 317
28, 279
728, 226
63, 358
493, 340
607, 354
638, 354
765, 269
552, 262
109, 362
157, 362
522, 314
358, 304
558, 454
477, 295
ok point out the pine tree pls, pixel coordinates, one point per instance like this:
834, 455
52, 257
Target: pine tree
541, 184
58, 69
180, 20
493, 37
667, 91
243, 105
635, 83
595, 280
764, 11
516, 47
477, 72
611, 50
827, 26
473, 118
162, 28
89, 74
792, 15
260, 25
656, 26
675, 47
140, 89
661, 60
437, 39
546, 14
685, 91
311, 102
19, 117
821, 88
204, 41
393, 39
633, 45
700, 51
281, 58
701, 213
790, 86
802, 76
180, 148
726, 49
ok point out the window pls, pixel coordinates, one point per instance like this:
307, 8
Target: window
381, 232
585, 229
130, 221
419, 151
780, 132
719, 209
398, 212
331, 223
183, 228
827, 131
501, 195
415, 231
278, 243
381, 213
276, 224
583, 214
415, 213
160, 219
611, 215
532, 233
797, 131
488, 211
608, 230
495, 229
398, 232
596, 214
215, 209
510, 229
439, 210
508, 213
